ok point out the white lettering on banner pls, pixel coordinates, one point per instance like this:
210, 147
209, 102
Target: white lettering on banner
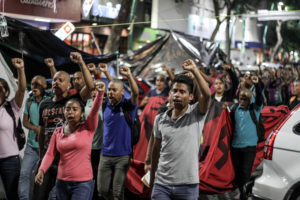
42, 3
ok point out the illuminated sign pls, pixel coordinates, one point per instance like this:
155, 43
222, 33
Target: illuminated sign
86, 7
107, 11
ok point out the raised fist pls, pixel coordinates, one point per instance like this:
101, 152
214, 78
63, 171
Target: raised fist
76, 57
226, 67
164, 68
49, 62
91, 67
100, 86
254, 79
125, 71
103, 67
18, 63
189, 65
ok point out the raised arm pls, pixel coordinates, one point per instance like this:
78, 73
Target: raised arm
85, 91
92, 120
125, 71
206, 78
239, 71
234, 79
50, 64
202, 72
258, 89
259, 70
169, 72
104, 68
203, 88
92, 68
18, 63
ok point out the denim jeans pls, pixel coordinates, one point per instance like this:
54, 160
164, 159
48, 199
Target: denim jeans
10, 172
175, 192
30, 158
117, 165
72, 190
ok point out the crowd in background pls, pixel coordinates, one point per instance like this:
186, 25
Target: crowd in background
82, 147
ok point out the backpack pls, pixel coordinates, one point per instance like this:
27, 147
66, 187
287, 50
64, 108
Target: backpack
18, 130
260, 129
135, 126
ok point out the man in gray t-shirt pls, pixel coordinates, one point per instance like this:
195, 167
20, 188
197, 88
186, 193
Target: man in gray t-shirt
177, 136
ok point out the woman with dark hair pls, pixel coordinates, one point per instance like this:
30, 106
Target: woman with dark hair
9, 151
222, 93
74, 143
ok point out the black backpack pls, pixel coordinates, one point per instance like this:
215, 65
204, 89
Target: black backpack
18, 130
135, 126
260, 129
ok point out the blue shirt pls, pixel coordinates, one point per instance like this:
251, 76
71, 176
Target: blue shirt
245, 133
117, 132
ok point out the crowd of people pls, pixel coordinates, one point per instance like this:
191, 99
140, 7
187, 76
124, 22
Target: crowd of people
80, 142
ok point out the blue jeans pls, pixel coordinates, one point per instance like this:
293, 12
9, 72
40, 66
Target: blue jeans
72, 190
10, 172
30, 158
175, 192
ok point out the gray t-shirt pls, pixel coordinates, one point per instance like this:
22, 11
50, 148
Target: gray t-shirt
179, 161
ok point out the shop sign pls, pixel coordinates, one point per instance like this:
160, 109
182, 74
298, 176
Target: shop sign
107, 11
86, 7
42, 3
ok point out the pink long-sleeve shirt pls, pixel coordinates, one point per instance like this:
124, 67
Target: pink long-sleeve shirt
74, 149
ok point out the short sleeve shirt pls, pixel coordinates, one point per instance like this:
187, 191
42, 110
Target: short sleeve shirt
52, 115
180, 143
117, 132
245, 133
33, 114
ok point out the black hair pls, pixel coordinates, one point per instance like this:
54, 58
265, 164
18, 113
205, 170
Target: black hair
222, 80
79, 101
118, 81
5, 85
181, 78
163, 76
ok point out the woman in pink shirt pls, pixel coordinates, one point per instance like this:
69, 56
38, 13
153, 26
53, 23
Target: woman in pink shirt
74, 143
9, 151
